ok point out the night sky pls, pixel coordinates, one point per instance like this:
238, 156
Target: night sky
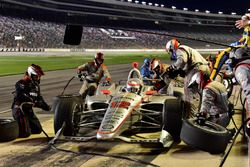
226, 6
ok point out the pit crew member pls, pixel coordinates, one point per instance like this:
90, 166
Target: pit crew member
28, 90
95, 70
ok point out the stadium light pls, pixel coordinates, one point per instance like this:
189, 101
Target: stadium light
173, 7
150, 4
233, 13
196, 10
220, 12
156, 4
143, 2
185, 9
248, 10
129, 0
136, 2
162, 5
207, 11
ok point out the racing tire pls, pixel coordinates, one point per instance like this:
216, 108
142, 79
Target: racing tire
210, 137
173, 117
8, 130
67, 108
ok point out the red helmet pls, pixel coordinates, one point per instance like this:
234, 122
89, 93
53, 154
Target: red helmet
99, 55
35, 70
99, 58
173, 44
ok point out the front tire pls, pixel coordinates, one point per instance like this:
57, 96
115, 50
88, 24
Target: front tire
172, 117
67, 109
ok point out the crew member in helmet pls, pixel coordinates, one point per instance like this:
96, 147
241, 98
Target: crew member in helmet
214, 104
188, 62
28, 90
134, 85
146, 71
95, 70
242, 50
239, 63
164, 85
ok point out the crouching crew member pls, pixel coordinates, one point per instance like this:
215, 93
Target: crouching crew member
27, 95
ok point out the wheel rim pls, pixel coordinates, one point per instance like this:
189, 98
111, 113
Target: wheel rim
209, 126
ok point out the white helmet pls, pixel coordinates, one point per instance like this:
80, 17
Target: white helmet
35, 70
172, 45
196, 79
134, 85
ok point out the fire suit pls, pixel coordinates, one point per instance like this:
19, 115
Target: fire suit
164, 86
242, 75
243, 45
96, 73
27, 90
190, 61
215, 103
146, 73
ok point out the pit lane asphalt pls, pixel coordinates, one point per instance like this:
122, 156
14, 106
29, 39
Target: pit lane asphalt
33, 151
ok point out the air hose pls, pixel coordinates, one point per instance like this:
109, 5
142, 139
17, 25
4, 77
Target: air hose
234, 139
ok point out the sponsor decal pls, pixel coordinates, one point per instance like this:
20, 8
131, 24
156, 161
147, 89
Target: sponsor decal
122, 104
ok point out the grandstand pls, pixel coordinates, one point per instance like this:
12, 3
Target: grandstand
106, 24
50, 35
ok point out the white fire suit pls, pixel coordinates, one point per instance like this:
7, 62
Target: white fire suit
215, 103
242, 75
96, 73
190, 61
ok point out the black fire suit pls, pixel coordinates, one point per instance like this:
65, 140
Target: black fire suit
28, 91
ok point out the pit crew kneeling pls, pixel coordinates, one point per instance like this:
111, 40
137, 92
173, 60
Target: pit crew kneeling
27, 95
214, 104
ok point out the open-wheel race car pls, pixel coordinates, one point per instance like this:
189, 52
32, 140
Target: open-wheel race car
118, 111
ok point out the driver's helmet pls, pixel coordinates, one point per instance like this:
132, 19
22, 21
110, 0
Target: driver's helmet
35, 72
99, 58
134, 85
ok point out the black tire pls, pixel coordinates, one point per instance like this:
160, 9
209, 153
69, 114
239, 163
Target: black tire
211, 137
67, 109
8, 130
172, 114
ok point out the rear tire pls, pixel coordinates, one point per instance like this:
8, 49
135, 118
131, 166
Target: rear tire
211, 137
8, 130
67, 109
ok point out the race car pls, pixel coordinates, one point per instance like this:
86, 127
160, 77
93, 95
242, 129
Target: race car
114, 112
